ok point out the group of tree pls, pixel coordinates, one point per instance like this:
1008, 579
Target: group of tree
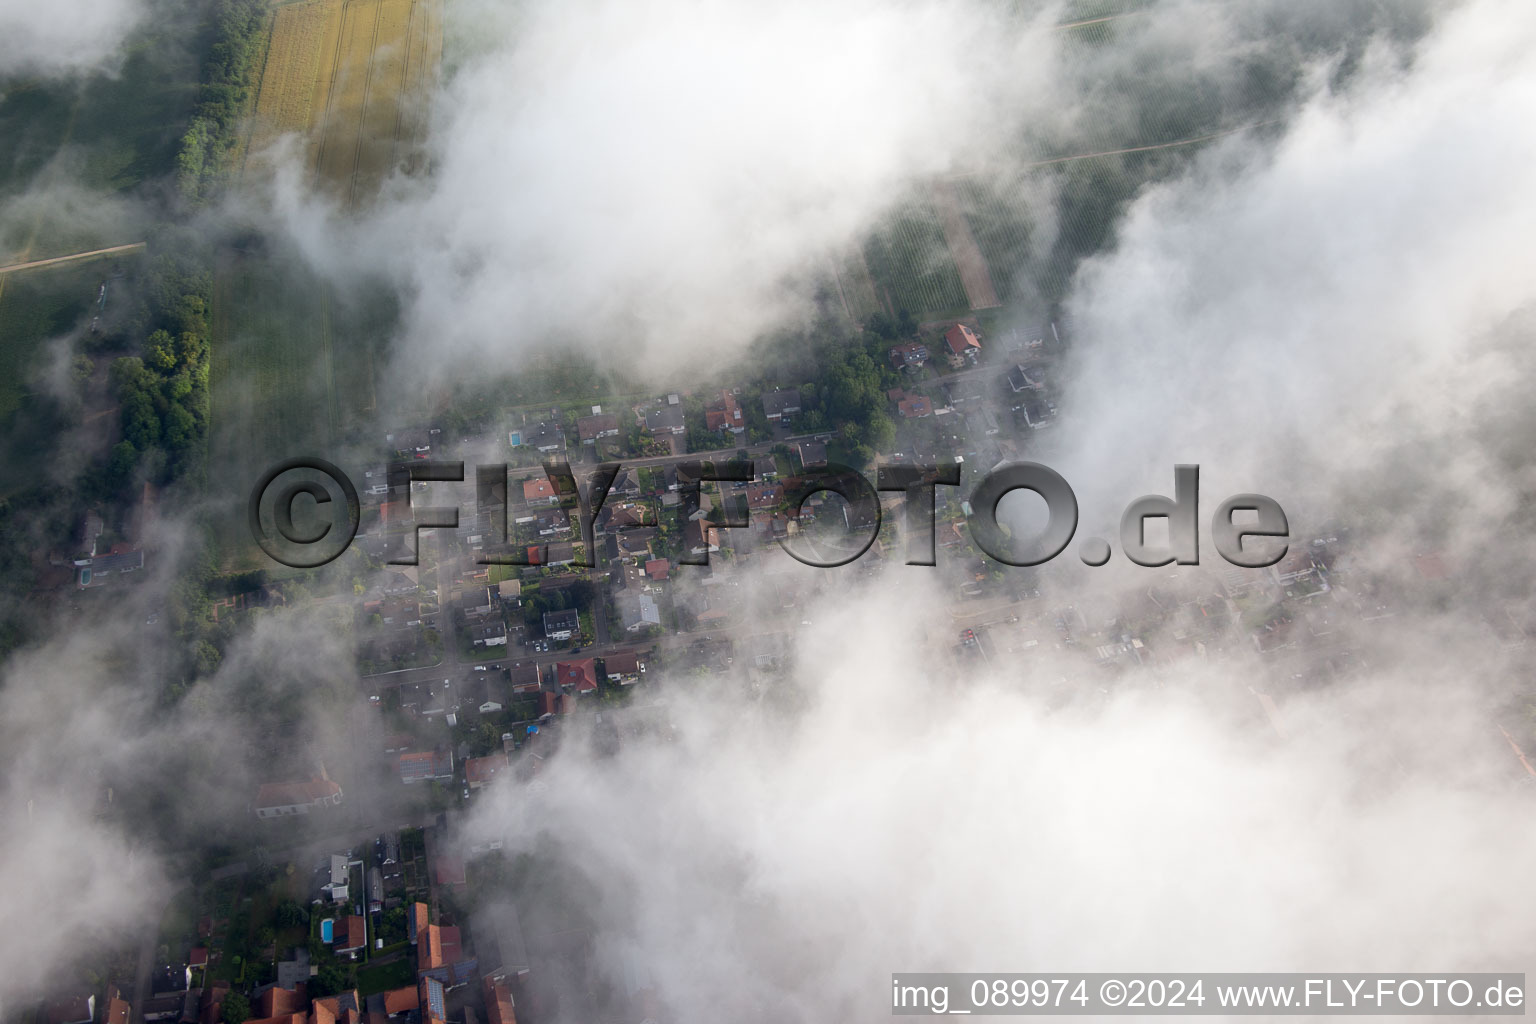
163, 394
229, 75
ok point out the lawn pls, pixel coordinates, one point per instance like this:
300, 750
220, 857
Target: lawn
383, 977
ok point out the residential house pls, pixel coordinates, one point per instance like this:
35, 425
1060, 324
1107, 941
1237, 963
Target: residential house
336, 887
982, 421
398, 1002
498, 1001
539, 491
638, 611
101, 569
909, 357
445, 940
524, 676
635, 541
351, 937
546, 437
658, 569
700, 537
623, 668
964, 392
484, 693
558, 553
910, 406
723, 412
284, 799
499, 946
765, 467
626, 484
425, 765
1299, 567
562, 624
782, 404
552, 704
579, 675
1025, 378
415, 443
667, 418
1036, 412
431, 1001
553, 522
764, 495
481, 771
812, 453
598, 425
397, 584
75, 1009
117, 1006
962, 344
416, 922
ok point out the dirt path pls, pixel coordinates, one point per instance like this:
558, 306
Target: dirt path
974, 276
110, 250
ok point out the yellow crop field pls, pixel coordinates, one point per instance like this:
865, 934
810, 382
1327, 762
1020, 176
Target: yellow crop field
299, 59
353, 77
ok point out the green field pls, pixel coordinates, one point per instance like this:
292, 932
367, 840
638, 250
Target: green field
36, 307
270, 379
911, 265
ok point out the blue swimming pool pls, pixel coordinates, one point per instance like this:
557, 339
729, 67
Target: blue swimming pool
327, 929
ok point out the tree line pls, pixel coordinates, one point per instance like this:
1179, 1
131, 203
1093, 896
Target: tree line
228, 76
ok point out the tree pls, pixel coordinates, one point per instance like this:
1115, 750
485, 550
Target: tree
290, 915
328, 981
880, 326
236, 1009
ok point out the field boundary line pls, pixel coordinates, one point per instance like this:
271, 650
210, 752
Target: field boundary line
362, 110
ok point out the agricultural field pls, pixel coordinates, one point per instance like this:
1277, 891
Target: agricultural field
293, 368
352, 79
855, 287
972, 267
302, 42
911, 265
272, 379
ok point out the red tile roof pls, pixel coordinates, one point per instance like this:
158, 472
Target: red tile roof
417, 923
353, 936
537, 489
724, 412
279, 1002
658, 568
961, 339
480, 770
289, 794
621, 664
498, 1001
582, 674
402, 1000
450, 871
